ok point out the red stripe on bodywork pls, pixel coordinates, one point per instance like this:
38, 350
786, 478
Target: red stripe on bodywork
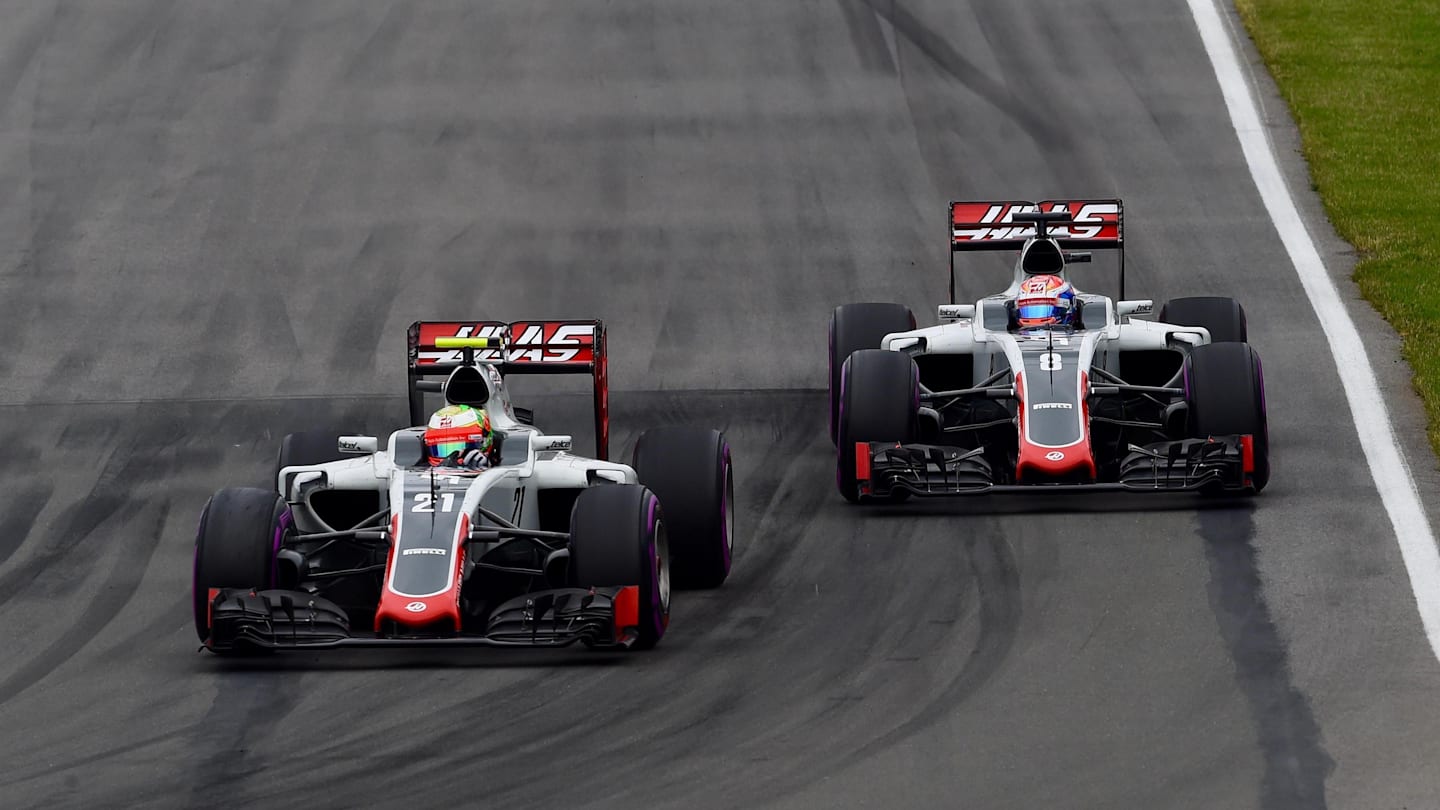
441, 610
627, 611
210, 609
862, 461
1247, 453
1038, 462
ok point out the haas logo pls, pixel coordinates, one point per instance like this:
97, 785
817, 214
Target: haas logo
1092, 220
525, 342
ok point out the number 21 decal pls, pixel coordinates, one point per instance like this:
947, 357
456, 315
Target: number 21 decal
425, 502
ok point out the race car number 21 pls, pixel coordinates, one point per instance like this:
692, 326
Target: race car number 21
425, 502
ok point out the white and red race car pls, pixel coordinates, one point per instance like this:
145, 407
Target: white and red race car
979, 403
372, 542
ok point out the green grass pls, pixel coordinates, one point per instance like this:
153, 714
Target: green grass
1362, 78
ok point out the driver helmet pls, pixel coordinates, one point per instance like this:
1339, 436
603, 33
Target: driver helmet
455, 430
1045, 301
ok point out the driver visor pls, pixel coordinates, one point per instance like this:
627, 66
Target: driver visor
1038, 311
444, 449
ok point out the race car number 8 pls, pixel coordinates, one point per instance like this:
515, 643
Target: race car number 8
425, 502
1050, 361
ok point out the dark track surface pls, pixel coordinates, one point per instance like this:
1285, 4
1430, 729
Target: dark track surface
219, 218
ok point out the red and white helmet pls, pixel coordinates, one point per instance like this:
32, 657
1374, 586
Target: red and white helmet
455, 430
1045, 301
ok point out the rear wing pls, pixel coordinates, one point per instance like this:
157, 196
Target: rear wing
436, 348
992, 225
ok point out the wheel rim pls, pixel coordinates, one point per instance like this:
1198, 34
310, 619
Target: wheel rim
662, 567
729, 511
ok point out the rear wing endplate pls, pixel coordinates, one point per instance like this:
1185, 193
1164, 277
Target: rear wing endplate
990, 225
435, 348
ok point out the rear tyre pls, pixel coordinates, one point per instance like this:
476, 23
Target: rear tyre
859, 326
1223, 317
1225, 391
618, 538
879, 400
241, 529
305, 448
689, 470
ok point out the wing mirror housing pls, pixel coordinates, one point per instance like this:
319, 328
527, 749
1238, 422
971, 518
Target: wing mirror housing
358, 445
950, 313
541, 444
1136, 307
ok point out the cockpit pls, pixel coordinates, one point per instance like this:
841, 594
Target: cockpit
407, 447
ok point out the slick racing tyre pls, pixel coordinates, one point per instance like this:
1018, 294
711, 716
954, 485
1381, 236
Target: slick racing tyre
1223, 317
879, 401
1225, 391
859, 326
618, 538
307, 447
689, 470
241, 529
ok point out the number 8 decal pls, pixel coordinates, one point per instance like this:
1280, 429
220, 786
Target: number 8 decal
1050, 361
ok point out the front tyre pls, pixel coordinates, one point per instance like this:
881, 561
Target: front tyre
618, 539
879, 402
1225, 392
241, 529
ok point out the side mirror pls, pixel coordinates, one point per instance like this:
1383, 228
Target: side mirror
543, 443
1137, 307
359, 445
950, 313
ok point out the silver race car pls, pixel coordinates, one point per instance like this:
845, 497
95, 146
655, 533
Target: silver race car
1043, 387
371, 542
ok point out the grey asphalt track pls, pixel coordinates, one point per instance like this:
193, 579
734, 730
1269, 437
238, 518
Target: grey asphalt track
218, 218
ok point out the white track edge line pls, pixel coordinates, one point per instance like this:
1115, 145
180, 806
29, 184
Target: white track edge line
1388, 467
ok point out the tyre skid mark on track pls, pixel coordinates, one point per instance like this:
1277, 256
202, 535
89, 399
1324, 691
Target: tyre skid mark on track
141, 539
502, 750
18, 515
992, 570
1052, 138
868, 37
86, 512
75, 763
1296, 762
247, 709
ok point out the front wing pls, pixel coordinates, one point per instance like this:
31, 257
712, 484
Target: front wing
278, 619
1216, 463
